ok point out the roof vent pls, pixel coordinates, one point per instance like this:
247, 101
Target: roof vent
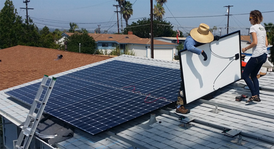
126, 37
109, 37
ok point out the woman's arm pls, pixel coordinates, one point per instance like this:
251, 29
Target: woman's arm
266, 42
254, 42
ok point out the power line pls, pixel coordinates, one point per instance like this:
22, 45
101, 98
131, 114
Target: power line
198, 16
111, 27
173, 16
66, 22
208, 16
77, 8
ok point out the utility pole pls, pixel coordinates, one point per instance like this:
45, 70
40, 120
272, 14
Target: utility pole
151, 29
228, 10
121, 13
99, 29
27, 14
117, 17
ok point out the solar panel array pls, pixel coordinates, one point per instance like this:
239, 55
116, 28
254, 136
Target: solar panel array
103, 96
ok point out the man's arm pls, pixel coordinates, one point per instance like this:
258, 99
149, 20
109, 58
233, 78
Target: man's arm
190, 46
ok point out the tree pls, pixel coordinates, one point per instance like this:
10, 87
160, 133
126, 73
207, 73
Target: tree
270, 32
57, 34
10, 26
270, 36
73, 27
44, 31
30, 35
159, 10
83, 30
141, 28
179, 47
47, 39
87, 43
127, 11
161, 2
120, 2
13, 31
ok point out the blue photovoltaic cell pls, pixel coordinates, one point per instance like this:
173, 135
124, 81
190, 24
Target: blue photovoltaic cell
106, 95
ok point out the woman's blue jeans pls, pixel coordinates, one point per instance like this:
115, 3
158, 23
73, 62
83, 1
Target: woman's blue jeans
250, 73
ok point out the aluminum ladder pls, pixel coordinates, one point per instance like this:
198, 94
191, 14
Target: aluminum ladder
34, 115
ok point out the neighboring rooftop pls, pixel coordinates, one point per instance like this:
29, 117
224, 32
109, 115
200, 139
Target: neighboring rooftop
21, 64
173, 38
123, 38
246, 38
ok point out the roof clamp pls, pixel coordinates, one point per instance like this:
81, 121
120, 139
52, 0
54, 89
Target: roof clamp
216, 110
151, 121
185, 121
234, 133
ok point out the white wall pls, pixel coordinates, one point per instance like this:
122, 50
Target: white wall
162, 53
139, 50
61, 41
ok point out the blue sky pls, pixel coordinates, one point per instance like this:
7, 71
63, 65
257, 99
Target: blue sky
91, 13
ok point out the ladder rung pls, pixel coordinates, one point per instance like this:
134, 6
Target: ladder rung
27, 131
38, 101
32, 116
45, 86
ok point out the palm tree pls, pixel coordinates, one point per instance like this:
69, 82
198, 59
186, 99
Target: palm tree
120, 2
127, 11
73, 27
161, 2
159, 11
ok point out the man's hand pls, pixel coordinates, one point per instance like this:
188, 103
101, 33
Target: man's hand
204, 55
216, 38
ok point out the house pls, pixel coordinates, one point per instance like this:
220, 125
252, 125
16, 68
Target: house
140, 46
219, 122
172, 39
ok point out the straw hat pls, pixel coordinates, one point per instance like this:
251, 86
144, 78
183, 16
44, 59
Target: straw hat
202, 34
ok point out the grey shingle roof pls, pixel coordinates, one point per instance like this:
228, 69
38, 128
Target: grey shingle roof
167, 132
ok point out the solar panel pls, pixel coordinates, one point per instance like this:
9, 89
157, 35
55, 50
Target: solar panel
106, 95
222, 67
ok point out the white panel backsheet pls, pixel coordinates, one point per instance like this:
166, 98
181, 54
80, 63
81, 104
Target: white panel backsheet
220, 69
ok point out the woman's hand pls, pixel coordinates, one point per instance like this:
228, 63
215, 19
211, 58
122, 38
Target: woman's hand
243, 50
